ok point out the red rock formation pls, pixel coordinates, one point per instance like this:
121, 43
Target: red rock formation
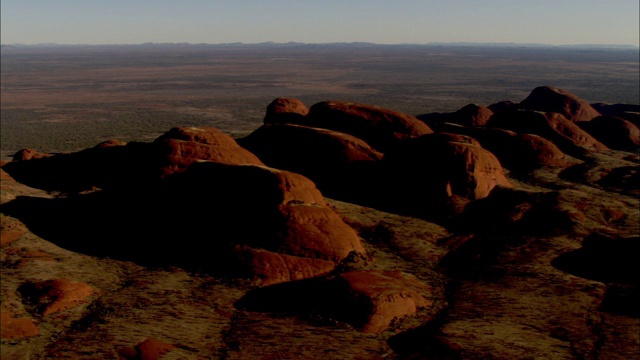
431, 167
381, 128
371, 300
473, 171
508, 210
472, 115
317, 232
453, 137
115, 164
56, 295
614, 132
180, 147
297, 147
110, 143
338, 163
28, 154
550, 99
566, 135
538, 151
10, 230
285, 110
148, 349
278, 221
15, 328
272, 268
108, 164
502, 106
517, 152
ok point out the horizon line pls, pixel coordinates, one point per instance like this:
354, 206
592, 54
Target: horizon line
437, 43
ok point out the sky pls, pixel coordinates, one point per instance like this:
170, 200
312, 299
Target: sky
555, 22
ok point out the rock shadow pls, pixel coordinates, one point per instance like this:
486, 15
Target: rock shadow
149, 227
611, 260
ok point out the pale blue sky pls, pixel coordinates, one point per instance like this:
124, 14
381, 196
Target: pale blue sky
555, 22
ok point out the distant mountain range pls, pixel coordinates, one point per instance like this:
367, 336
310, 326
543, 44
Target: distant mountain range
350, 44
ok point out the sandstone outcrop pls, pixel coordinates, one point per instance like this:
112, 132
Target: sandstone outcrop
507, 210
241, 220
432, 168
517, 152
285, 111
277, 222
52, 296
614, 132
114, 164
108, 164
472, 115
148, 349
379, 127
15, 328
551, 99
566, 135
307, 150
371, 300
503, 106
28, 154
180, 147
10, 230
338, 163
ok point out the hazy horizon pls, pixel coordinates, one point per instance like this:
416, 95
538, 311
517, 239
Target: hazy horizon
546, 22
461, 43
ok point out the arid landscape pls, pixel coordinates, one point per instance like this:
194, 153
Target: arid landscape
336, 201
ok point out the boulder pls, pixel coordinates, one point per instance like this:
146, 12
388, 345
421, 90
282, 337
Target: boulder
434, 168
614, 132
303, 149
269, 267
551, 99
338, 163
472, 115
502, 106
517, 152
114, 164
180, 147
108, 164
285, 111
379, 127
370, 300
11, 230
52, 296
273, 225
148, 349
15, 328
28, 154
512, 211
566, 135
